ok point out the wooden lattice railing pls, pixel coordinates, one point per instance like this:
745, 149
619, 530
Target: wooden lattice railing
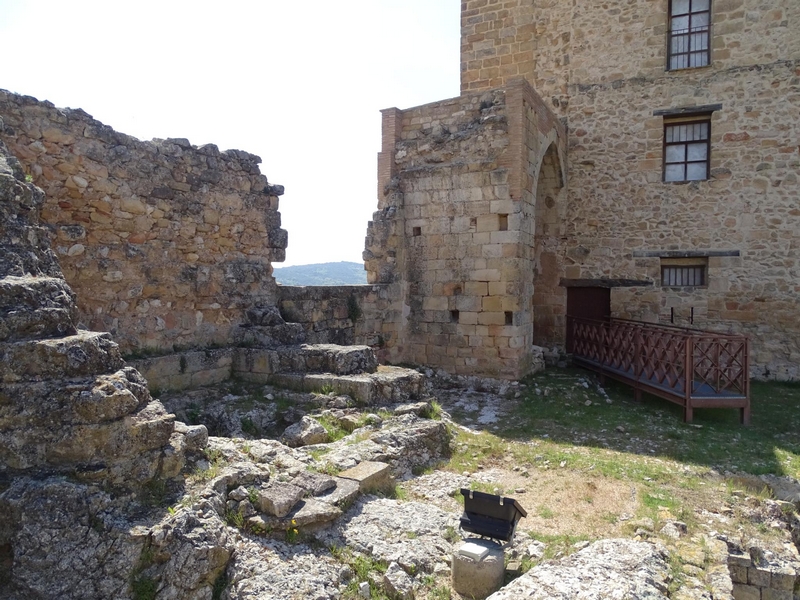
691, 367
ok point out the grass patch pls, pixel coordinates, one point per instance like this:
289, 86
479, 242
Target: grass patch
215, 463
558, 544
434, 412
334, 430
143, 588
654, 427
363, 567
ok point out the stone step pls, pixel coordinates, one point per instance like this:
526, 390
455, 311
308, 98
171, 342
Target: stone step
308, 514
387, 385
35, 307
306, 358
85, 353
328, 358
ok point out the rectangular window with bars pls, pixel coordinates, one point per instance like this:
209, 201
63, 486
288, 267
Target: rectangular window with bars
687, 146
689, 36
683, 275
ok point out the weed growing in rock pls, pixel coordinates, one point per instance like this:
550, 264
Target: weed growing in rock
353, 309
332, 427
292, 534
558, 545
327, 469
441, 592
192, 413
434, 412
396, 492
234, 518
451, 535
154, 492
249, 427
220, 583
215, 462
363, 567
143, 588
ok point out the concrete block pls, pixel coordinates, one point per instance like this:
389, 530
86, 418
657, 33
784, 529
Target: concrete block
478, 578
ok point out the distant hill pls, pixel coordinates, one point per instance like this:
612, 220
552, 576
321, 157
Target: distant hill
333, 273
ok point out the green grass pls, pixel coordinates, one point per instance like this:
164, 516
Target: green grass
556, 544
143, 588
334, 430
434, 412
655, 427
362, 566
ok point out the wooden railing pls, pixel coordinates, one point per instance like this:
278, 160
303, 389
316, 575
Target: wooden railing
694, 368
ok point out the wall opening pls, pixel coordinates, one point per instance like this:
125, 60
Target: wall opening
549, 299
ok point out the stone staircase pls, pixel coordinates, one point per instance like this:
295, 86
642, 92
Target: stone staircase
67, 402
350, 370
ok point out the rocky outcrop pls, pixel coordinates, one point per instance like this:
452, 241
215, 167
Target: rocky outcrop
606, 569
81, 439
67, 403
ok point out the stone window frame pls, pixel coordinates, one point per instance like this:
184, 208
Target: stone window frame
688, 34
683, 138
684, 272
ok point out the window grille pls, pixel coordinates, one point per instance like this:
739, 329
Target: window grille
687, 147
688, 43
683, 276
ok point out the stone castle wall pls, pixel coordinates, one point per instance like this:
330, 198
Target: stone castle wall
602, 68
747, 209
455, 227
165, 243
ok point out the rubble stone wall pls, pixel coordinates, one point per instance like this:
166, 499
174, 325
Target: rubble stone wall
343, 314
165, 243
455, 229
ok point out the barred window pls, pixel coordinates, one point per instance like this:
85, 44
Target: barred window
688, 42
683, 272
687, 146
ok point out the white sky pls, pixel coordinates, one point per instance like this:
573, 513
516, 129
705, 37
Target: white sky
299, 83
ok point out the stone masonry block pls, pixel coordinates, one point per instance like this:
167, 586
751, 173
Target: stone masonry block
476, 288
487, 223
759, 577
746, 592
486, 275
738, 573
785, 578
370, 475
278, 499
773, 594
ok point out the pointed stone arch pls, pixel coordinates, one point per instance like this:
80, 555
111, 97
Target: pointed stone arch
549, 299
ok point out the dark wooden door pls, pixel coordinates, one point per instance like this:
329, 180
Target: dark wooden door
587, 303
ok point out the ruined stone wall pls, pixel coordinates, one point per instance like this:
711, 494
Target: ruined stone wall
455, 229
165, 243
343, 314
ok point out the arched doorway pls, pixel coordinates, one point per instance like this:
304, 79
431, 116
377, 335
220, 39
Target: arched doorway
549, 299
